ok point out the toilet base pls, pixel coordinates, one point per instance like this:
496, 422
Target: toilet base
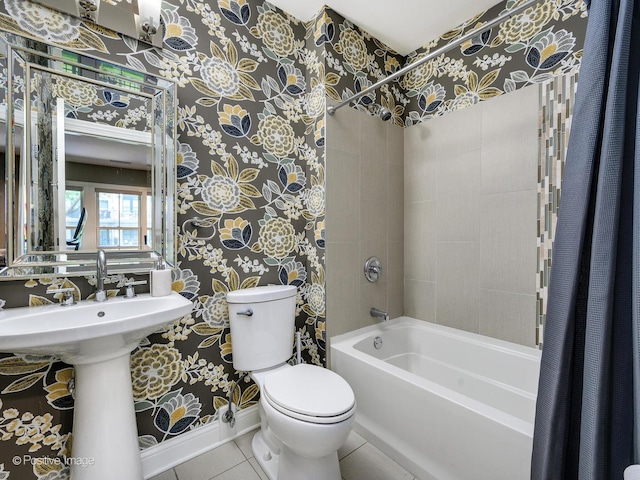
265, 456
288, 466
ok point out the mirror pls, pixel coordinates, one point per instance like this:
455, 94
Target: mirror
89, 163
134, 18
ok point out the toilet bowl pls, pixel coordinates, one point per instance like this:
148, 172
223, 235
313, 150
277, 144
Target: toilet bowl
309, 411
306, 411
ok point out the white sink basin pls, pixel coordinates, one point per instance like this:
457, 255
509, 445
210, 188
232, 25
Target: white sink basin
88, 329
97, 338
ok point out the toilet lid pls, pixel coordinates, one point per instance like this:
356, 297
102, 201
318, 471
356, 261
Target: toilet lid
309, 390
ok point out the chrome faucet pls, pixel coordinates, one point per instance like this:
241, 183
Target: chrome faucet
101, 276
377, 313
67, 295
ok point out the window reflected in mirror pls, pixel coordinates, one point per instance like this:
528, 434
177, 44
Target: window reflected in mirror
90, 158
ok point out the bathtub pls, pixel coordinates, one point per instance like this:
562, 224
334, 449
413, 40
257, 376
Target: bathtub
444, 403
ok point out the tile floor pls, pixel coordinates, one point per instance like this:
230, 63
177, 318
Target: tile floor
359, 460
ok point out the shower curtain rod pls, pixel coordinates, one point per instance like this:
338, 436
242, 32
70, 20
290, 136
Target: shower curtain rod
331, 109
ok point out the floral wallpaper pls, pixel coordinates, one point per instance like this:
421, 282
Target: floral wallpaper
253, 83
250, 166
355, 60
98, 104
534, 46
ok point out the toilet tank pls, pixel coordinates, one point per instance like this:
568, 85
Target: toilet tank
263, 338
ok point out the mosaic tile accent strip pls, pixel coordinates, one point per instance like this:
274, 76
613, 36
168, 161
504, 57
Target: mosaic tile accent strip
557, 99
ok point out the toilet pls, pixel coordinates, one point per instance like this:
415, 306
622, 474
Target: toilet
306, 411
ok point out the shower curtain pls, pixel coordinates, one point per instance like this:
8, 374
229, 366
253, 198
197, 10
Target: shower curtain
589, 394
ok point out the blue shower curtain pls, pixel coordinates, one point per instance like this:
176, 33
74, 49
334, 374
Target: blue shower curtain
588, 406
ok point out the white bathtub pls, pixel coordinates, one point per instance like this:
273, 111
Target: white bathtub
445, 404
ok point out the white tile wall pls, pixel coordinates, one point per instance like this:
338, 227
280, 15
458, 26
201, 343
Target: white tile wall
365, 205
507, 161
516, 310
449, 206
470, 218
458, 286
457, 197
420, 253
420, 300
508, 237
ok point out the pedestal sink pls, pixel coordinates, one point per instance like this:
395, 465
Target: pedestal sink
97, 338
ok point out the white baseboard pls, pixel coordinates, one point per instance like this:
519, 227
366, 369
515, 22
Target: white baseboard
172, 452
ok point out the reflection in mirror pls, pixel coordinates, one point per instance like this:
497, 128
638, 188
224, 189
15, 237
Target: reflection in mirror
89, 162
135, 18
91, 187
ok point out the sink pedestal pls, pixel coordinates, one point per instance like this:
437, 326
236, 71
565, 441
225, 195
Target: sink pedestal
97, 338
105, 436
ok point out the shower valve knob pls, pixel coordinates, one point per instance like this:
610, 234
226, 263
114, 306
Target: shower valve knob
372, 269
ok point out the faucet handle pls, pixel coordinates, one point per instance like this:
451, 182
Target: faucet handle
372, 269
67, 295
130, 293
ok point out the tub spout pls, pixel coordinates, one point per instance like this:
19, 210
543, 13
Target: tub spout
377, 313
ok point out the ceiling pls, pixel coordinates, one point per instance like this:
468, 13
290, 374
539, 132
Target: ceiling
404, 25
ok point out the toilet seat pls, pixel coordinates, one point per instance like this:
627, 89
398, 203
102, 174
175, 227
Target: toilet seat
310, 393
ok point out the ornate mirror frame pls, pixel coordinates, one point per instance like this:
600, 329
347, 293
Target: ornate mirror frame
20, 57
